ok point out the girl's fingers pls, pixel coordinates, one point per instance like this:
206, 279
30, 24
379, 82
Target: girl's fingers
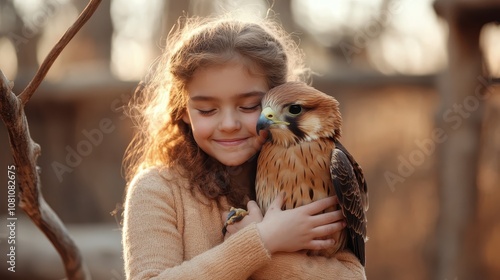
254, 211
320, 205
327, 218
277, 202
328, 229
320, 244
252, 206
224, 216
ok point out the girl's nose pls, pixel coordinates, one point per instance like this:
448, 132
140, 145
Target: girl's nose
229, 122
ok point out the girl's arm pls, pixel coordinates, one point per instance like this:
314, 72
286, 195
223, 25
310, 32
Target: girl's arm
154, 246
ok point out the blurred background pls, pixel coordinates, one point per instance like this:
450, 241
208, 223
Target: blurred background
419, 96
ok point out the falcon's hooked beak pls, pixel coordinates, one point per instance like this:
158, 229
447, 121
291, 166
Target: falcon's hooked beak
267, 118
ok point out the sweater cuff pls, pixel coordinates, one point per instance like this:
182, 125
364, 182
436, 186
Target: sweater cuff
250, 249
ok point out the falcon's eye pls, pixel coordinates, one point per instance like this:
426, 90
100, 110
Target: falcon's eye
295, 109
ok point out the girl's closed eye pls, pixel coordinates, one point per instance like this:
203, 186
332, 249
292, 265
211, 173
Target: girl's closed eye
206, 112
251, 108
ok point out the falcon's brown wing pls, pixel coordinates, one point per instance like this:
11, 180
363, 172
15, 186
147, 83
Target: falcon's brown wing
352, 193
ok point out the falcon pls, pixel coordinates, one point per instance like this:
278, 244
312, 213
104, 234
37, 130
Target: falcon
304, 158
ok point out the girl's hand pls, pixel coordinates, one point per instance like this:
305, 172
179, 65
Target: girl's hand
254, 215
295, 229
299, 228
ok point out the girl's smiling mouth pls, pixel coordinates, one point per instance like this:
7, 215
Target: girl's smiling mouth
231, 142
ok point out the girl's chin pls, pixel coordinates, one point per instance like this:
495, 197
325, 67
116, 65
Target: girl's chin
232, 162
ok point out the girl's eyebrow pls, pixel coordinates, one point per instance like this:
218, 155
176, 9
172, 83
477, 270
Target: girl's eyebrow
238, 96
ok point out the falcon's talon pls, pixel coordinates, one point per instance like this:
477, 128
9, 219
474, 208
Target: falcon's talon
235, 215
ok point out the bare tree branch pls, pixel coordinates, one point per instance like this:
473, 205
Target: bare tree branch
25, 153
28, 92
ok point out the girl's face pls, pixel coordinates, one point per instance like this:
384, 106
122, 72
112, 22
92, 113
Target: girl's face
223, 108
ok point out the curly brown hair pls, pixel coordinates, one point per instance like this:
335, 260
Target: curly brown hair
163, 139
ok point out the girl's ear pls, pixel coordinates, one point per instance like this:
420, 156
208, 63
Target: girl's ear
185, 117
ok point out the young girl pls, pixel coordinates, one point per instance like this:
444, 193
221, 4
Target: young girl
195, 156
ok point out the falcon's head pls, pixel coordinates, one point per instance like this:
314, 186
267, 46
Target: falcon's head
295, 112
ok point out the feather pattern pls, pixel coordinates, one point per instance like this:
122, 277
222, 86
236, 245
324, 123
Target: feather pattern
345, 173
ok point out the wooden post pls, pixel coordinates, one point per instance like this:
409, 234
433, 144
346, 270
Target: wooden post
457, 254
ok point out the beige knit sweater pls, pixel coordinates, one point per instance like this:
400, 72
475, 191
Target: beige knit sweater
169, 234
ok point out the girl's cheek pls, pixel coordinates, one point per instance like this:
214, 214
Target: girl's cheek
253, 124
202, 126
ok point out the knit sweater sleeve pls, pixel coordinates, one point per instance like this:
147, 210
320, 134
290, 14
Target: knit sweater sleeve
154, 247
344, 265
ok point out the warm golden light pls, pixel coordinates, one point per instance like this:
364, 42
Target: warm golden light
8, 59
490, 42
402, 36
